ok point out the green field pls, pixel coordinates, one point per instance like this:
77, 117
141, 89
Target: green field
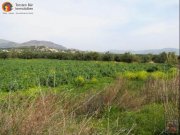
41, 96
23, 74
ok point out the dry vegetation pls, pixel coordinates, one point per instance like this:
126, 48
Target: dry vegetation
60, 113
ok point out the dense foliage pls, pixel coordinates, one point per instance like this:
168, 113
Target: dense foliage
164, 57
86, 97
22, 74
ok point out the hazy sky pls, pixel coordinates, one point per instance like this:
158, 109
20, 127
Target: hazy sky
98, 25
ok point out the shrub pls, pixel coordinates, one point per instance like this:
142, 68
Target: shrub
141, 75
152, 69
158, 75
173, 70
13, 86
107, 57
79, 81
94, 80
129, 75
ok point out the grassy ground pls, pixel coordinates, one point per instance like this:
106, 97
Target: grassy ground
113, 110
116, 105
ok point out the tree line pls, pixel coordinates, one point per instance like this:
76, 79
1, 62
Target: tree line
128, 57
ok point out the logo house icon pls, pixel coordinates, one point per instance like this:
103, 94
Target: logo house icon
7, 6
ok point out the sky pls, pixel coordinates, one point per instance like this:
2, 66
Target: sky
96, 25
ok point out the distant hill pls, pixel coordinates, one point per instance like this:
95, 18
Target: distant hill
157, 51
152, 51
36, 45
31, 44
42, 43
7, 44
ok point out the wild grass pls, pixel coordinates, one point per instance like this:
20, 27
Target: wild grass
87, 100
116, 109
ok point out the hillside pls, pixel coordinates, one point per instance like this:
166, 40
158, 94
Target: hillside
7, 44
42, 43
157, 51
150, 51
50, 46
33, 43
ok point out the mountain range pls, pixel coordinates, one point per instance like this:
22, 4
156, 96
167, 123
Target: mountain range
5, 44
9, 44
150, 51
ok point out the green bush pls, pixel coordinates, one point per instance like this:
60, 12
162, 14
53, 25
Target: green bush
79, 81
94, 80
141, 75
129, 75
152, 69
158, 75
173, 71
